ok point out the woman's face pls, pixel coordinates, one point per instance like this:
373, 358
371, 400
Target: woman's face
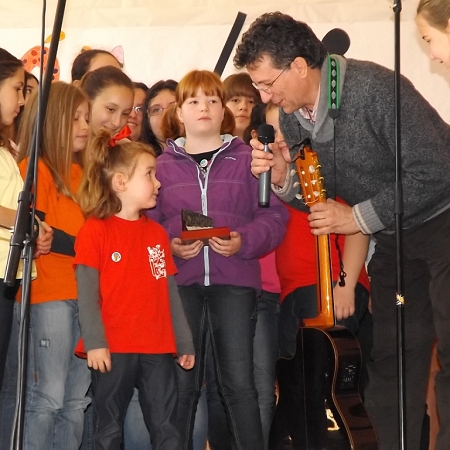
111, 108
155, 110
11, 97
135, 117
438, 40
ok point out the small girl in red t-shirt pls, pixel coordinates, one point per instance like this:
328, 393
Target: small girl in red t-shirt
132, 320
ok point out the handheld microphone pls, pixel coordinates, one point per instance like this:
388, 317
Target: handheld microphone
266, 135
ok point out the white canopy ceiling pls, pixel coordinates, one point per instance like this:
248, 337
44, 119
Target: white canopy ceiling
166, 38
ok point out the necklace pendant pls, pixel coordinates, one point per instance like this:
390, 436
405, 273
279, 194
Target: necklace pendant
203, 163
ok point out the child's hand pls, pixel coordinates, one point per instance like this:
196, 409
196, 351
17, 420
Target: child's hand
186, 251
344, 301
186, 361
99, 359
226, 247
44, 239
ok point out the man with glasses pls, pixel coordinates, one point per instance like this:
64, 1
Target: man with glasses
346, 108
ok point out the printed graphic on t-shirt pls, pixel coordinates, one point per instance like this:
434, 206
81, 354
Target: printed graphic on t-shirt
157, 262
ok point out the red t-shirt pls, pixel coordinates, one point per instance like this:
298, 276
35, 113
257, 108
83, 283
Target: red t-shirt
134, 260
296, 255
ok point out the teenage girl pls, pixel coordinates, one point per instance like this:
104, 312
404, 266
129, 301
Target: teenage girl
241, 98
12, 78
125, 280
57, 380
111, 94
209, 173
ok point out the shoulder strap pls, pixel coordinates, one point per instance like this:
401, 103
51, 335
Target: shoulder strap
334, 94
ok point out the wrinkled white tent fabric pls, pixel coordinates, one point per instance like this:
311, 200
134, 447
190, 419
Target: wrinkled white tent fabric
165, 39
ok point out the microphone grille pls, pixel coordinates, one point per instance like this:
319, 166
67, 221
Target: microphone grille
266, 133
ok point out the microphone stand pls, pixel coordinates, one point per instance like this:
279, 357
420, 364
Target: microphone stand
24, 235
398, 211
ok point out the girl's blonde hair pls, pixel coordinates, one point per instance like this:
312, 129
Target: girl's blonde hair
96, 194
210, 84
435, 12
57, 135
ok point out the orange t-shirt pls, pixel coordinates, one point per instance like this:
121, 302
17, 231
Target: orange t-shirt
56, 277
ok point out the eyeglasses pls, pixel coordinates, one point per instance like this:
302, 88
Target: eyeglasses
267, 87
137, 109
158, 110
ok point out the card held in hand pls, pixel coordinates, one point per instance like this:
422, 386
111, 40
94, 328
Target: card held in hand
198, 227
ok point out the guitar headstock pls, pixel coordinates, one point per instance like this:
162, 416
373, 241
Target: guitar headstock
308, 169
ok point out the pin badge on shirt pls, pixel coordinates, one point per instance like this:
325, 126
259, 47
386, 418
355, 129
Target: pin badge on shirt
116, 256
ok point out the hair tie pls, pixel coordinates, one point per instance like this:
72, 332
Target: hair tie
124, 133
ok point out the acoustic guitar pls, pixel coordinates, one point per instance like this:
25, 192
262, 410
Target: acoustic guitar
335, 350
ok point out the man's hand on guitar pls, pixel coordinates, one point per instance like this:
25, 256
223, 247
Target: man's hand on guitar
344, 301
332, 217
278, 160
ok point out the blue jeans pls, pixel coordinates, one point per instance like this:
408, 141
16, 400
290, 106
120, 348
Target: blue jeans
228, 312
57, 380
265, 355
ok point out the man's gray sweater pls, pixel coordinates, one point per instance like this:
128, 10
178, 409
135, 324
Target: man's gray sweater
363, 161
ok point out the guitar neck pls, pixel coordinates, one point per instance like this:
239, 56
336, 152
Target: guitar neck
313, 191
325, 304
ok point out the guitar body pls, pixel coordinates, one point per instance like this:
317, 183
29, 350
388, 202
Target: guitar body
331, 361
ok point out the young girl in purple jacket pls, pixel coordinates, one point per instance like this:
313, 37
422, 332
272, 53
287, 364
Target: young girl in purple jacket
209, 173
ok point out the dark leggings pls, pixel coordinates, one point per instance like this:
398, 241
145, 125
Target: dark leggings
7, 295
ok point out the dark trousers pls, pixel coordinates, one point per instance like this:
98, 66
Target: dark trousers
426, 269
155, 377
7, 295
228, 312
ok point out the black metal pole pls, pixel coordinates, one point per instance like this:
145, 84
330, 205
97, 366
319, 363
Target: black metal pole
230, 42
400, 299
23, 238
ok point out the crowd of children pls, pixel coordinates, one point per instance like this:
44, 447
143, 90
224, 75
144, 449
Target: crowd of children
135, 335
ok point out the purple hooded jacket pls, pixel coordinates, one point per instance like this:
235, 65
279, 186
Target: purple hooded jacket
228, 193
